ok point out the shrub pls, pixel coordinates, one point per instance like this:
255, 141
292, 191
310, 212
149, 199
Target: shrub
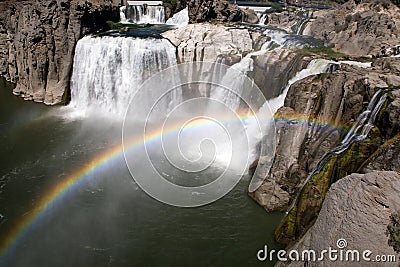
393, 231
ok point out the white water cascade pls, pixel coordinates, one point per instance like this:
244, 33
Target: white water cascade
141, 14
358, 132
109, 70
316, 66
262, 18
179, 19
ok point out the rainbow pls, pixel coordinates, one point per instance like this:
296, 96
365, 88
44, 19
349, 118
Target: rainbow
76, 178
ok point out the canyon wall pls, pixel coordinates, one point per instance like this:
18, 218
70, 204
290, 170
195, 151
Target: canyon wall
221, 10
37, 42
320, 110
371, 28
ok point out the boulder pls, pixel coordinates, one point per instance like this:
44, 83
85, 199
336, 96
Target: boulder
357, 211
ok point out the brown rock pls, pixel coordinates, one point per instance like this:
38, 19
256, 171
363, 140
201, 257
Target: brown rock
220, 10
329, 100
357, 208
367, 29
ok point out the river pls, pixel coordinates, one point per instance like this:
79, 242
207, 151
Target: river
105, 219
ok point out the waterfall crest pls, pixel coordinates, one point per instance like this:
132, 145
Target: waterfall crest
109, 70
141, 14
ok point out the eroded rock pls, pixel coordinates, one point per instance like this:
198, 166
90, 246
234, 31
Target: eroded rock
38, 40
327, 102
368, 29
207, 42
357, 208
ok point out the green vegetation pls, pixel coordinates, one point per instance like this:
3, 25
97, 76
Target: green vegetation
170, 4
117, 26
275, 8
393, 232
396, 2
324, 51
303, 215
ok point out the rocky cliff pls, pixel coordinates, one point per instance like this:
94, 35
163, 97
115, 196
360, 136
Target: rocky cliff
271, 69
221, 10
173, 6
207, 42
371, 28
37, 41
319, 111
329, 102
357, 209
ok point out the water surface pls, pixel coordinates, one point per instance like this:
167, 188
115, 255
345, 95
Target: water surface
107, 220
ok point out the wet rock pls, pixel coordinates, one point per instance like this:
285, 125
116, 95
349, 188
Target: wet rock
274, 68
316, 113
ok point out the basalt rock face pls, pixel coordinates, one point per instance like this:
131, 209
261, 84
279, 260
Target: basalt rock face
173, 7
330, 103
387, 157
357, 208
273, 69
291, 20
368, 29
37, 41
220, 10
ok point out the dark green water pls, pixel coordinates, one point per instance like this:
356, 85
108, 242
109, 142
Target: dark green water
107, 220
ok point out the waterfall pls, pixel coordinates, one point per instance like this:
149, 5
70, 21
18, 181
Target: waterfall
179, 19
122, 15
301, 27
263, 19
141, 14
107, 71
234, 82
358, 132
316, 66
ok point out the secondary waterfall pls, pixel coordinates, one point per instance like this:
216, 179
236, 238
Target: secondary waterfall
316, 66
358, 132
109, 70
142, 14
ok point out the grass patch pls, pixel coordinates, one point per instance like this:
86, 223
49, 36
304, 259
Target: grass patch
117, 26
275, 8
325, 51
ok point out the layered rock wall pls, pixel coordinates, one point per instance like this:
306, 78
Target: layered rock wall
37, 41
